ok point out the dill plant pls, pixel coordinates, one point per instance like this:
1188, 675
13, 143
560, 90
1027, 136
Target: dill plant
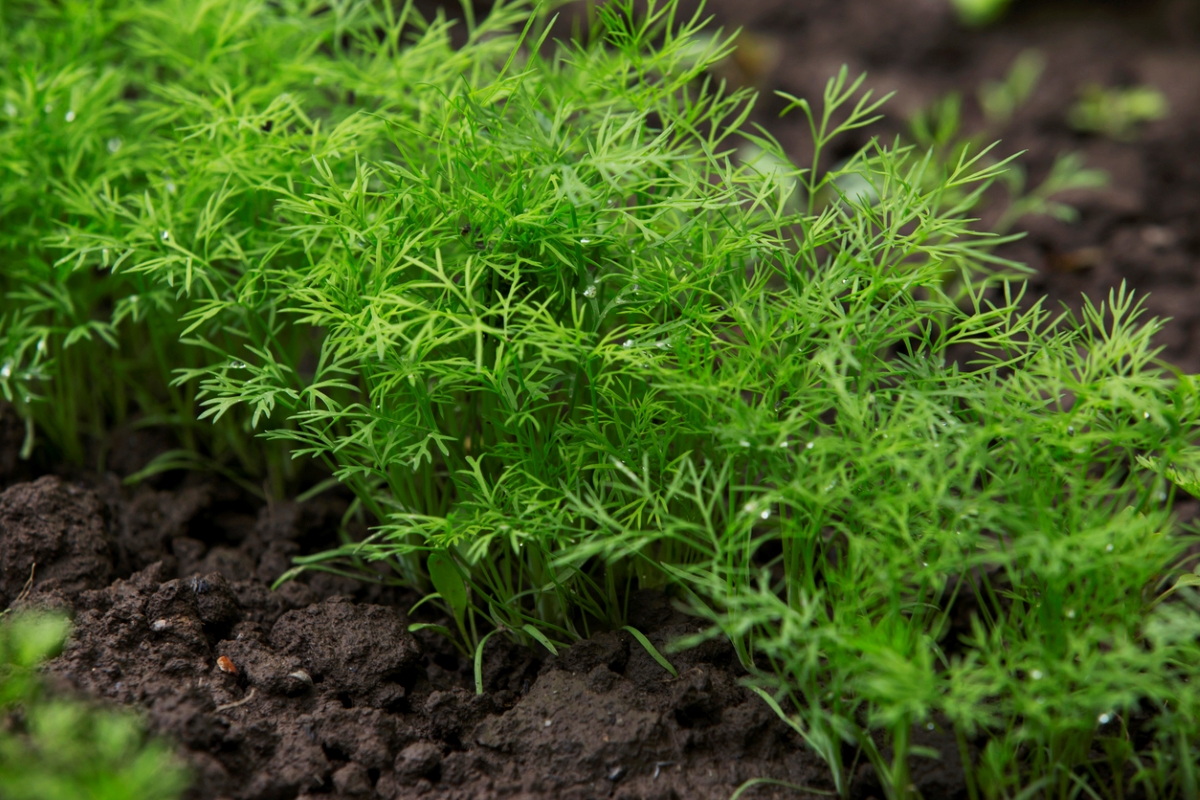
62, 749
523, 300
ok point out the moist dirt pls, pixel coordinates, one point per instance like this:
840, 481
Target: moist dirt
317, 689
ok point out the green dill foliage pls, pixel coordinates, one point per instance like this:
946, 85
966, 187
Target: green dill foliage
57, 749
569, 327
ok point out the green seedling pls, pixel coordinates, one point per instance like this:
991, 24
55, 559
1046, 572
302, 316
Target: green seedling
1117, 113
58, 749
1001, 99
980, 12
939, 129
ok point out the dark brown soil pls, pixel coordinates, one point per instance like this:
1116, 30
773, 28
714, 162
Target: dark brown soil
331, 696
324, 691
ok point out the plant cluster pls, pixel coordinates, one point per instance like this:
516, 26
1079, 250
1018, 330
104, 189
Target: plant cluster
524, 299
55, 749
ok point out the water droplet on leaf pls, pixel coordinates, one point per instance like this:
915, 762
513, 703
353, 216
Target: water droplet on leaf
70, 116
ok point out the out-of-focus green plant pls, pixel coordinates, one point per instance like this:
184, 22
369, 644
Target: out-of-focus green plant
980, 12
938, 128
1001, 99
1117, 113
63, 749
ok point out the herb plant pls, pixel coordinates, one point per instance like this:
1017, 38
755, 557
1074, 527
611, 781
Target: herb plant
60, 749
527, 302
1116, 112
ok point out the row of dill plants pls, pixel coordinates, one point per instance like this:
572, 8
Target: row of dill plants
526, 300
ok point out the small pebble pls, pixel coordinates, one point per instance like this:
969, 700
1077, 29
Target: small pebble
301, 676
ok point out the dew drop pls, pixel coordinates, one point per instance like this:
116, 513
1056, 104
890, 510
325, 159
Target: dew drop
766, 514
1070, 613
235, 364
10, 109
590, 291
48, 107
584, 241
70, 116
783, 445
627, 343
744, 443
165, 235
41, 345
664, 344
6, 370
1036, 674
171, 187
808, 446
1104, 719
1145, 415
928, 726
1071, 429
1108, 548
104, 255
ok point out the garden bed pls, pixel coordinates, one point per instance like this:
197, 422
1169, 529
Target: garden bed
317, 688
331, 695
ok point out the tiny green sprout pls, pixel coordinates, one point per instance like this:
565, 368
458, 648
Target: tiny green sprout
1001, 99
1117, 113
980, 12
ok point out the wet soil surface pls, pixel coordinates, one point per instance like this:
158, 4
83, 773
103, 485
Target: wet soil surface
319, 690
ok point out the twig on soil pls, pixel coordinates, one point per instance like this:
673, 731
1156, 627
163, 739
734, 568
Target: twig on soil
241, 702
25, 590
